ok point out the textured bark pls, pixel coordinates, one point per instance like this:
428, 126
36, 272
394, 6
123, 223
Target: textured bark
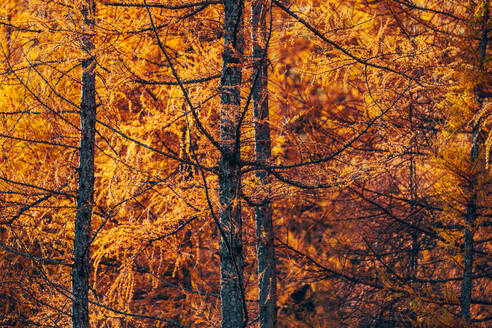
412, 177
471, 208
85, 192
267, 289
231, 292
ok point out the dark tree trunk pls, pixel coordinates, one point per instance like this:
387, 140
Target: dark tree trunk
471, 208
231, 263
267, 292
85, 193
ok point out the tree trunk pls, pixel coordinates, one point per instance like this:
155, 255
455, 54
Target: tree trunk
471, 208
231, 263
85, 193
267, 289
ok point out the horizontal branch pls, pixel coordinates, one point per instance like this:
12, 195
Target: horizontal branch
203, 79
161, 5
435, 11
43, 260
56, 192
20, 28
37, 141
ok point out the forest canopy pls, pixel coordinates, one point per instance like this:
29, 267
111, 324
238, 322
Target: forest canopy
233, 164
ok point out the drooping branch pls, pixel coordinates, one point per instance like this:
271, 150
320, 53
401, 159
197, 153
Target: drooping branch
340, 48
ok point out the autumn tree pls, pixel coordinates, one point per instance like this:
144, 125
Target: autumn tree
406, 237
337, 148
231, 250
265, 235
85, 192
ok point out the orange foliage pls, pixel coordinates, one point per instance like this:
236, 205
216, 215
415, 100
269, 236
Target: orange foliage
373, 109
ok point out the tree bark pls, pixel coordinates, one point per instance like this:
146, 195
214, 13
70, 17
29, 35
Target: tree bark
471, 208
267, 282
231, 263
85, 192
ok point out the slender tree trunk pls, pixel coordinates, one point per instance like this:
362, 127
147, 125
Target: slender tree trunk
85, 193
231, 263
415, 248
471, 208
267, 281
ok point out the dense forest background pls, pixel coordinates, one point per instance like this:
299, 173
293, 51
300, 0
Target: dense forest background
230, 163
